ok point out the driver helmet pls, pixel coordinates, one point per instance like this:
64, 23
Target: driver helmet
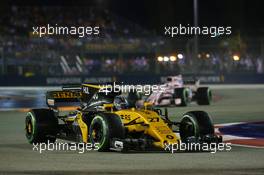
120, 102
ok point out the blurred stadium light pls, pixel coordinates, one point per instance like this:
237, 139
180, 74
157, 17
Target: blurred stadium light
173, 58
180, 56
160, 58
166, 59
236, 58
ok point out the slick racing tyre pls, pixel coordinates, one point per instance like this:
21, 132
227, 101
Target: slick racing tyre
41, 126
204, 96
194, 125
104, 127
182, 94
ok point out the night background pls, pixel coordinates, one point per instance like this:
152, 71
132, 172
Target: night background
243, 15
131, 32
46, 78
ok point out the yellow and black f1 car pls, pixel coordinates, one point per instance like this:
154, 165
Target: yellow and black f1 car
108, 120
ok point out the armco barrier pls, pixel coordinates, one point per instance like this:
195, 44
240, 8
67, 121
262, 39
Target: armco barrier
125, 79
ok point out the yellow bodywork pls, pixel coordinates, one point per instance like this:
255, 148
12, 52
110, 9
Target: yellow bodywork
83, 127
137, 120
149, 122
140, 120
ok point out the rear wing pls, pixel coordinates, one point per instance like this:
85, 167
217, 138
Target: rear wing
63, 98
74, 95
191, 82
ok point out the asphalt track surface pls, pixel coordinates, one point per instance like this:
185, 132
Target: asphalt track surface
231, 105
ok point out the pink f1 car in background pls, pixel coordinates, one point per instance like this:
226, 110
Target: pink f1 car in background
175, 91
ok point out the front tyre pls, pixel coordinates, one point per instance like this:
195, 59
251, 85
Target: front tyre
195, 125
41, 126
182, 94
104, 127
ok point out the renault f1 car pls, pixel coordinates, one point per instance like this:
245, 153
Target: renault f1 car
109, 121
175, 91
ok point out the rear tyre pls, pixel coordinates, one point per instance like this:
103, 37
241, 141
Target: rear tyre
104, 127
195, 124
181, 93
204, 96
41, 126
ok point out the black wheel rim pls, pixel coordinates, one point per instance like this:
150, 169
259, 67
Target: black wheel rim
97, 134
188, 129
29, 127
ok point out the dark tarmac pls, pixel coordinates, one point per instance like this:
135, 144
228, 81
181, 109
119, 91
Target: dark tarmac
18, 157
